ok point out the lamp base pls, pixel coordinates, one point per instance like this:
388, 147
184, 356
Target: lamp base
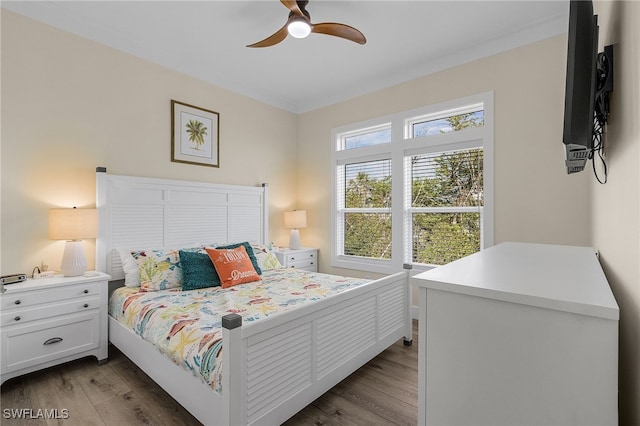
74, 262
294, 239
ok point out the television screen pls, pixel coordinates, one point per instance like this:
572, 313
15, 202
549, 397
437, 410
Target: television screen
580, 85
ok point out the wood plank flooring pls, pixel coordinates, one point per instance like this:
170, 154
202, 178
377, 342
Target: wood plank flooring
382, 392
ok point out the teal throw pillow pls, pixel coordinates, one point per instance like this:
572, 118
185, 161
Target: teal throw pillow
197, 271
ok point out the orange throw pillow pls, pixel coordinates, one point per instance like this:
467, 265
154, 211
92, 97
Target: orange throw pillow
233, 266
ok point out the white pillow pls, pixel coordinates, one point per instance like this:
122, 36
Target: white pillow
130, 268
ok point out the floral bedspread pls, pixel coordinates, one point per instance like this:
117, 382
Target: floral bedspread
186, 325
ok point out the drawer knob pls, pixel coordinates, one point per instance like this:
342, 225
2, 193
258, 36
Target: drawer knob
86, 291
17, 302
17, 318
53, 340
86, 305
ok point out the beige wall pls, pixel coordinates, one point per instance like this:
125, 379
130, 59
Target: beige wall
535, 200
616, 205
69, 105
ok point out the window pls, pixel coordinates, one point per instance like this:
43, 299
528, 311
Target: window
447, 197
366, 137
455, 121
366, 213
415, 187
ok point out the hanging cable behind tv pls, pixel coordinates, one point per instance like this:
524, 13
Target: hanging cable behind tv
604, 86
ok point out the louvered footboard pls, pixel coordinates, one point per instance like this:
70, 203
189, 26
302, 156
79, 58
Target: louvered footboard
279, 366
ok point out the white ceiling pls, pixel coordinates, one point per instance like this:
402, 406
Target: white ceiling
206, 39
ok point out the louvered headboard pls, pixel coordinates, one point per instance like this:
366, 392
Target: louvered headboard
144, 213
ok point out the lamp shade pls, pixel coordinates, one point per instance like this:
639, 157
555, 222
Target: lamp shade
296, 219
73, 224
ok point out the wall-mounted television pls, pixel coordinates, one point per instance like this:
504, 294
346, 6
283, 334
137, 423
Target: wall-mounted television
589, 80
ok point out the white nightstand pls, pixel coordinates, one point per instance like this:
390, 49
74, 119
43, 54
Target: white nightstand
303, 258
49, 321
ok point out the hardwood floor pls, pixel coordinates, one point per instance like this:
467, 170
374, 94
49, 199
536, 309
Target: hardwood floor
383, 392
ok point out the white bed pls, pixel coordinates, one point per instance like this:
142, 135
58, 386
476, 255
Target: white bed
140, 212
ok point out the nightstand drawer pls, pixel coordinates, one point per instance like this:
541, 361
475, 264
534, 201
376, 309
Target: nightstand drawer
26, 299
44, 322
41, 341
302, 256
303, 264
22, 315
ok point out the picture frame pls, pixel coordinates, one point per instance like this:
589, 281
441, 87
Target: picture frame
195, 135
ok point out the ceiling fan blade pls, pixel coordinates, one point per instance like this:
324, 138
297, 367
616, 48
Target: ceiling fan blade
292, 5
339, 30
274, 38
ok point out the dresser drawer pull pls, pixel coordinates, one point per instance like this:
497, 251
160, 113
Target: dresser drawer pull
53, 340
86, 305
86, 291
17, 302
17, 318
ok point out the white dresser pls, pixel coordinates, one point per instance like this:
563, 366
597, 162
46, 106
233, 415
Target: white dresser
303, 258
49, 321
518, 334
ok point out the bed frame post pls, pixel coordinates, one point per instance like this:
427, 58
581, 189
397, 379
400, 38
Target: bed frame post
408, 333
103, 223
233, 369
265, 213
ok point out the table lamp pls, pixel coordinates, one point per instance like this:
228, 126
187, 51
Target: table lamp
295, 220
73, 225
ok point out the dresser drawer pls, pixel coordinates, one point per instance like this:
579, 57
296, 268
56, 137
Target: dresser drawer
26, 299
21, 315
43, 341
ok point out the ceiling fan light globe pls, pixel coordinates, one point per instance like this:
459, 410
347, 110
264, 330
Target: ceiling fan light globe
299, 29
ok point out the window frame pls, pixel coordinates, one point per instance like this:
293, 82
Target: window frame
401, 148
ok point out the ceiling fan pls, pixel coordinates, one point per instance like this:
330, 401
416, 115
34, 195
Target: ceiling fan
299, 26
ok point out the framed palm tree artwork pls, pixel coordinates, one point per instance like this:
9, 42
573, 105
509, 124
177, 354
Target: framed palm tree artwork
195, 135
